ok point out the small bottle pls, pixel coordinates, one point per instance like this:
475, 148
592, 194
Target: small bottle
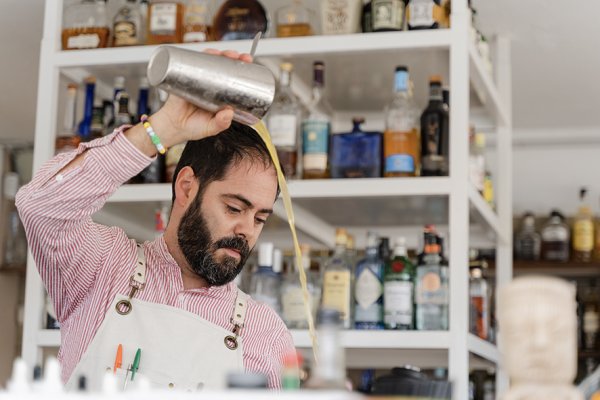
337, 281
294, 20
555, 238
356, 154
398, 289
85, 25
367, 16
69, 139
316, 130
292, 296
123, 116
165, 22
401, 137
425, 14
239, 20
85, 127
283, 122
196, 21
387, 15
368, 291
97, 125
527, 241
108, 116
583, 231
434, 132
127, 25
479, 304
340, 18
266, 282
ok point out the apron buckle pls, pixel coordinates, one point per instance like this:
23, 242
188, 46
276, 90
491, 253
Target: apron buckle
231, 342
123, 307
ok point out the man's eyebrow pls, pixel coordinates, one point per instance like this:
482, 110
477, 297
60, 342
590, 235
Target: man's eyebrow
246, 202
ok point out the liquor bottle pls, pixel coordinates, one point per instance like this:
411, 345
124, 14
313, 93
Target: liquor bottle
591, 326
340, 17
316, 130
155, 172
118, 87
434, 132
479, 304
283, 122
431, 306
68, 139
425, 14
294, 20
123, 116
85, 127
97, 124
337, 281
367, 16
85, 25
368, 291
527, 241
143, 33
127, 25
477, 160
583, 231
265, 286
385, 252
388, 15
555, 238
398, 289
196, 21
143, 105
401, 136
108, 116
356, 154
165, 22
239, 20
597, 239
292, 296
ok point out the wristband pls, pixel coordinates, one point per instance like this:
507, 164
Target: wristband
155, 139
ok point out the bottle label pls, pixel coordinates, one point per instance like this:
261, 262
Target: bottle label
283, 130
163, 18
368, 289
430, 289
400, 163
294, 311
315, 135
479, 325
85, 41
583, 235
194, 37
387, 14
125, 33
336, 292
420, 13
339, 16
398, 302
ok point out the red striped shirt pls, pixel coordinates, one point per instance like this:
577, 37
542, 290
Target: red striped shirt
84, 264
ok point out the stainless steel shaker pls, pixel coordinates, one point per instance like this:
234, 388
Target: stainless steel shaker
212, 82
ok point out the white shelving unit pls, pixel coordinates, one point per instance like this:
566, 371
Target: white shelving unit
363, 65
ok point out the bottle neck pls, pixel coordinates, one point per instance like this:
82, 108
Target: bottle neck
401, 82
400, 252
285, 79
435, 93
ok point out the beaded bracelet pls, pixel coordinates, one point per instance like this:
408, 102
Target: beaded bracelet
155, 139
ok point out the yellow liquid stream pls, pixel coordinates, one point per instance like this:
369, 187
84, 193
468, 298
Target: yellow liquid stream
287, 203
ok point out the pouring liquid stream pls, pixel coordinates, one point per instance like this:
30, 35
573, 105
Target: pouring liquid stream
261, 129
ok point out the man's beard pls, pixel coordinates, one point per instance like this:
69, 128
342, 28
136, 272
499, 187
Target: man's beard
196, 244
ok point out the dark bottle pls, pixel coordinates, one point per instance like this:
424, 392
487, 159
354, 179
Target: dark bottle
123, 116
527, 241
239, 20
142, 105
97, 126
85, 127
434, 132
108, 116
367, 19
385, 252
155, 172
555, 238
387, 15
356, 154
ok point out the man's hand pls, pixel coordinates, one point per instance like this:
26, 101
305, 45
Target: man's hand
179, 121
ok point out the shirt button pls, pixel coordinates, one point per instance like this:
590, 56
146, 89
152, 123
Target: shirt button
59, 177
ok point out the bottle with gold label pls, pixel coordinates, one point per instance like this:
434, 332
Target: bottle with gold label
583, 231
85, 25
165, 22
294, 20
337, 281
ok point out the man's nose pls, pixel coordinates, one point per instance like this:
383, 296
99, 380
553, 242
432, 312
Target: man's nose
244, 227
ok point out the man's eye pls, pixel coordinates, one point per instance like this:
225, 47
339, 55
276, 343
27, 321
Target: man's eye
233, 210
261, 221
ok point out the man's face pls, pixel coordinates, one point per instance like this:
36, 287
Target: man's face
221, 226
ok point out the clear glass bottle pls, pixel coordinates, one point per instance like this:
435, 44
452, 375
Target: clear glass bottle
283, 122
316, 130
435, 126
85, 25
583, 231
387, 15
68, 139
340, 17
266, 283
356, 154
479, 321
425, 14
292, 296
401, 137
294, 20
123, 116
196, 21
399, 289
127, 25
528, 242
555, 238
165, 22
239, 20
337, 281
368, 290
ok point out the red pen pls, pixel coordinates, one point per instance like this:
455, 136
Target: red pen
118, 359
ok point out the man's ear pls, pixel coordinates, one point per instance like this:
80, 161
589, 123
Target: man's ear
186, 185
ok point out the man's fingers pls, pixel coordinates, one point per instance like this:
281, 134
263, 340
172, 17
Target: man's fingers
220, 121
212, 51
246, 57
231, 54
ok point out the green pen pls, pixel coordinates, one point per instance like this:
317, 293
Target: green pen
136, 363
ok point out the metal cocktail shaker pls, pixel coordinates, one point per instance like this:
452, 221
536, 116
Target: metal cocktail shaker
212, 82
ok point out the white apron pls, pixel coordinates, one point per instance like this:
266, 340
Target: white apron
178, 349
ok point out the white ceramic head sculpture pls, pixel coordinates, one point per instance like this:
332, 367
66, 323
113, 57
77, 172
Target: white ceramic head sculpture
537, 318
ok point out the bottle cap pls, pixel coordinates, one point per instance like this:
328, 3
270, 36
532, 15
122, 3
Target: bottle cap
72, 86
265, 254
401, 68
90, 79
286, 66
435, 79
341, 236
372, 239
277, 261
400, 246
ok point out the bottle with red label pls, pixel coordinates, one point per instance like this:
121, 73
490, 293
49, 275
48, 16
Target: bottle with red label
398, 289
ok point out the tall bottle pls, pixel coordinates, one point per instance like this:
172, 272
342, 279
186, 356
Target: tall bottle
68, 139
527, 241
431, 301
555, 238
196, 21
425, 14
398, 289
283, 122
387, 15
583, 231
85, 25
155, 172
401, 137
434, 132
127, 25
337, 281
85, 127
292, 296
165, 22
123, 116
479, 321
265, 286
368, 291
316, 130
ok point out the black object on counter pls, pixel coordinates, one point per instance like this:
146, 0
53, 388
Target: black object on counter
410, 381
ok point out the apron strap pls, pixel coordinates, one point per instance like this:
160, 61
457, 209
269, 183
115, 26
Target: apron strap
137, 281
237, 319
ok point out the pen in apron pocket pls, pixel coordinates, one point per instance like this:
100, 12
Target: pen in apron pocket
118, 359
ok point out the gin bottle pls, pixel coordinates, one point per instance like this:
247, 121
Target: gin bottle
527, 240
265, 286
337, 281
368, 292
316, 130
398, 289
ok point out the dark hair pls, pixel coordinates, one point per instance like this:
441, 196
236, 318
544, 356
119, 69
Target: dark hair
210, 158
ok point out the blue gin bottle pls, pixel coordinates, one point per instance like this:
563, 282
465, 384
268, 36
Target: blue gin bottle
356, 154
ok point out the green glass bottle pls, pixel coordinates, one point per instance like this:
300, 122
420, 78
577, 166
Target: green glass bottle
398, 289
